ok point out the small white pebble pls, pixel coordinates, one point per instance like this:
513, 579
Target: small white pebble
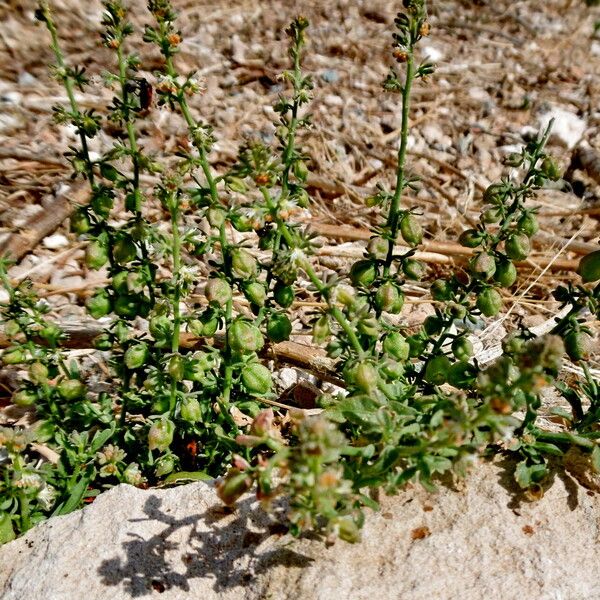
56, 241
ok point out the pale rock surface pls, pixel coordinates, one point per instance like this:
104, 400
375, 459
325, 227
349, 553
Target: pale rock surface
480, 542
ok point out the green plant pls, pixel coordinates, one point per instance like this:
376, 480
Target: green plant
416, 404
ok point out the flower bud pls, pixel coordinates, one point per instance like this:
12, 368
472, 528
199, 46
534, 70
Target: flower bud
160, 434
218, 291
126, 306
279, 327
255, 292
551, 169
436, 370
389, 298
411, 230
99, 305
190, 410
462, 375
243, 264
345, 295
589, 267
517, 246
136, 356
257, 379
236, 184
71, 389
506, 273
396, 346
368, 326
432, 325
494, 194
489, 302
243, 337
392, 369
363, 273
491, 214
263, 423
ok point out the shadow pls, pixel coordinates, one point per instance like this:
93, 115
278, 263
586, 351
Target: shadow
221, 544
519, 496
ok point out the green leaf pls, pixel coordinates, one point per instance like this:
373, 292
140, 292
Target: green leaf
596, 459
74, 499
101, 437
185, 477
7, 533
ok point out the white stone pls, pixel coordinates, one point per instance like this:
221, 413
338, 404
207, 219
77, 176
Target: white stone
483, 541
55, 241
567, 127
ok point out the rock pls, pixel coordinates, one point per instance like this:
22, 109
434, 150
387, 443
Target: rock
55, 241
480, 542
567, 127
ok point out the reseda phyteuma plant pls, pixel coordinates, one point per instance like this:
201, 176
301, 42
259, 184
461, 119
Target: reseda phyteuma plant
416, 404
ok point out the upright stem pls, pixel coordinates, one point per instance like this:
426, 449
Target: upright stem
176, 241
393, 218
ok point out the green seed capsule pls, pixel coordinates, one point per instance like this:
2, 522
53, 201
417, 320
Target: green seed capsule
462, 348
284, 294
124, 251
24, 398
441, 290
71, 389
457, 311
237, 184
396, 346
279, 328
257, 379
165, 465
416, 345
577, 345
471, 238
96, 255
551, 169
414, 269
483, 265
80, 222
160, 435
365, 376
176, 367
489, 302
216, 217
256, 293
436, 370
528, 224
389, 298
218, 291
378, 247
243, 264
99, 305
232, 486
190, 410
368, 326
50, 332
136, 356
411, 230
160, 327
321, 330
462, 375
119, 282
243, 337
126, 306
494, 194
103, 342
491, 214
432, 325
38, 372
517, 246
589, 267
392, 369
363, 273
506, 273
13, 356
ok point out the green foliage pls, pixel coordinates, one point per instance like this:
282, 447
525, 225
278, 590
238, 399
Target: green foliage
416, 404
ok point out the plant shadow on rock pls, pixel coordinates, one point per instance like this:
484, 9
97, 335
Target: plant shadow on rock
229, 553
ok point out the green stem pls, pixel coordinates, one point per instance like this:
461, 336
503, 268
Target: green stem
393, 215
68, 83
176, 245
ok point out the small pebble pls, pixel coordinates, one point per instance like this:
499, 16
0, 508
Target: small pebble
55, 241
